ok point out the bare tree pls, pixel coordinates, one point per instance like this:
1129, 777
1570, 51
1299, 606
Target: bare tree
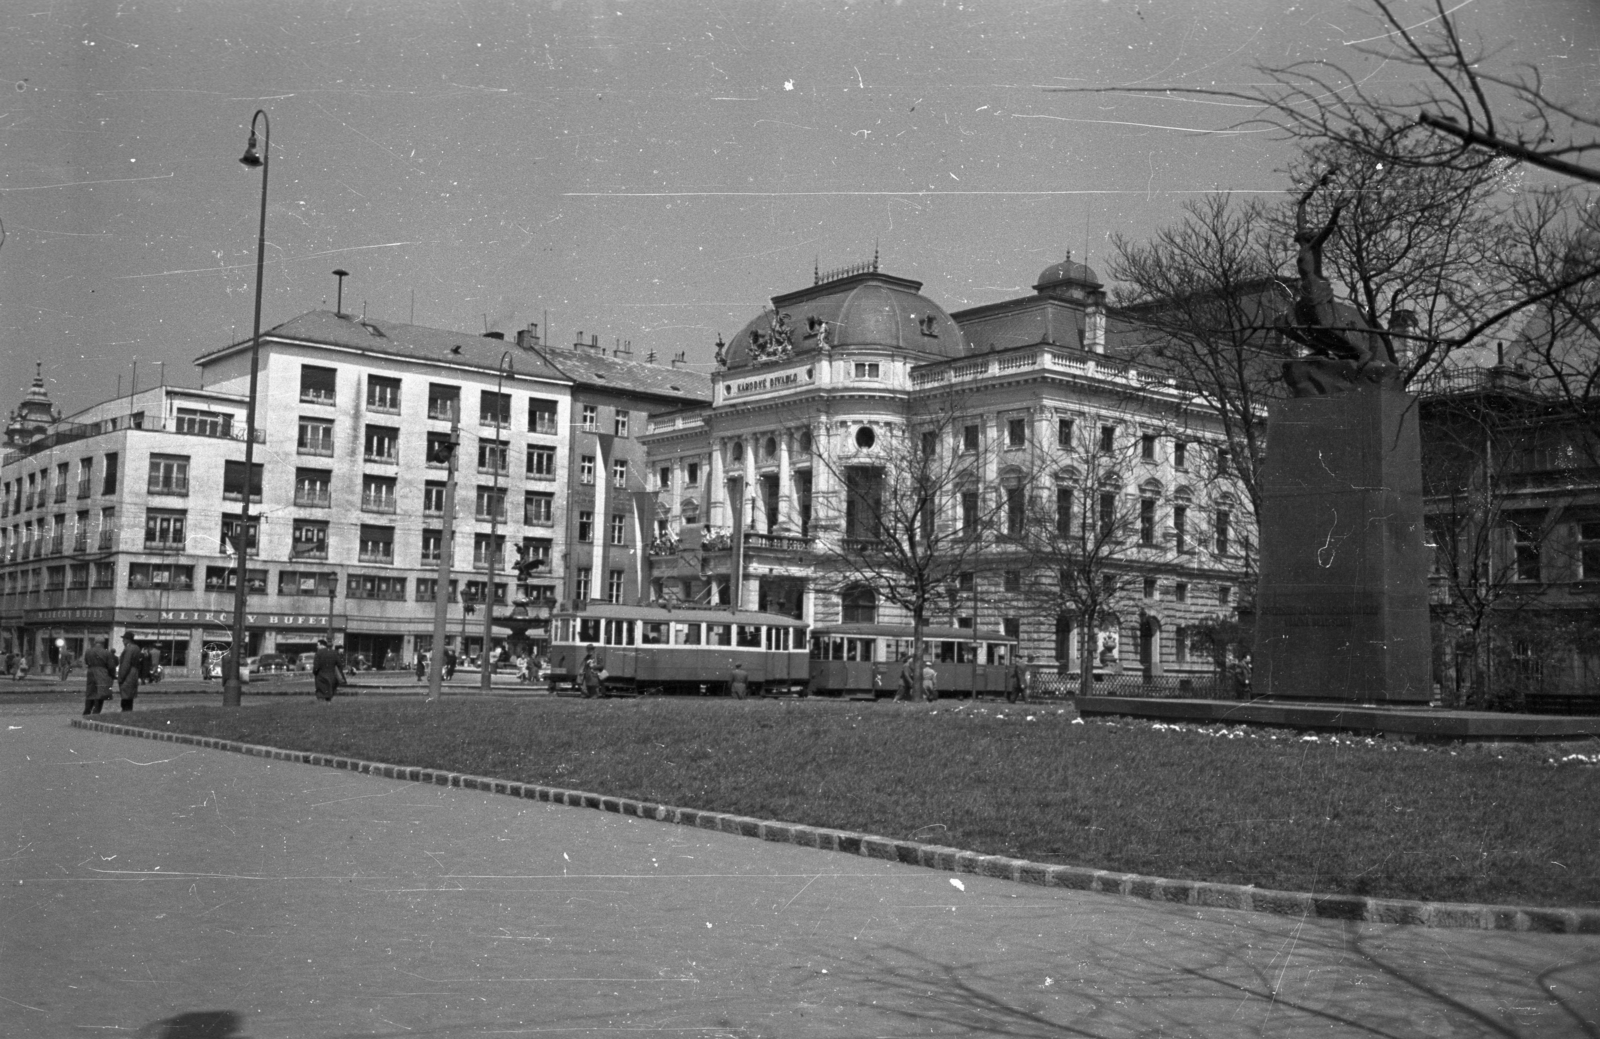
1497, 475
913, 516
1087, 533
1451, 120
1558, 345
1202, 298
1460, 97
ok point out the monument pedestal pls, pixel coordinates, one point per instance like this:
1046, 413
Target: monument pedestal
1342, 600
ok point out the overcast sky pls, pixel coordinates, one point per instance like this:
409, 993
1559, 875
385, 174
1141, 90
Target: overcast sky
651, 172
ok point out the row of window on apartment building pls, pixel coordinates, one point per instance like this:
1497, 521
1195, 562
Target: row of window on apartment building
318, 386
38, 492
1533, 548
1016, 437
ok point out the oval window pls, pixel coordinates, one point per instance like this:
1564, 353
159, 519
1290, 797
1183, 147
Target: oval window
865, 437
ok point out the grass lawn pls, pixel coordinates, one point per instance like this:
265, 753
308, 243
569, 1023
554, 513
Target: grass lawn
1512, 824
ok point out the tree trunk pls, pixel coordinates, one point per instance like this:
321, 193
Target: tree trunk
1091, 642
917, 624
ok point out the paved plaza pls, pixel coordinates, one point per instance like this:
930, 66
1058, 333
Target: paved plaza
169, 892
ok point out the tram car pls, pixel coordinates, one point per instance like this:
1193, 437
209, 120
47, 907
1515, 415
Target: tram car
865, 660
648, 650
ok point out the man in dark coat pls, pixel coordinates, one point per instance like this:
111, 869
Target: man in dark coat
128, 669
100, 664
589, 677
327, 671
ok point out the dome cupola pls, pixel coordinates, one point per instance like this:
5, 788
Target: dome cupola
856, 307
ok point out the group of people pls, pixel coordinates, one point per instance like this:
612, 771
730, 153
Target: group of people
528, 667
107, 672
1018, 680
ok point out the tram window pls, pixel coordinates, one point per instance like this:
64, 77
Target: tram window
965, 653
818, 647
836, 648
718, 635
685, 634
619, 633
777, 638
859, 649
998, 652
589, 629
947, 651
750, 635
655, 633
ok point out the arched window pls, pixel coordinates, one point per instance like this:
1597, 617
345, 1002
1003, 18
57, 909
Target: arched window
859, 604
738, 450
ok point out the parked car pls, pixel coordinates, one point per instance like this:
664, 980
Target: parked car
308, 661
269, 664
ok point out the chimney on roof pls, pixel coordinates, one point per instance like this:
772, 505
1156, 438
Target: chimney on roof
680, 359
527, 338
624, 349
495, 335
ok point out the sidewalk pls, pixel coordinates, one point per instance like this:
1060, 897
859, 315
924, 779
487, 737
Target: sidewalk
149, 881
362, 683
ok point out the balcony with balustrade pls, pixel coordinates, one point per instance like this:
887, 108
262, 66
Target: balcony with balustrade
1077, 365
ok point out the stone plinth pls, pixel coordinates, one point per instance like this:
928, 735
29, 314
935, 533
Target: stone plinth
1342, 603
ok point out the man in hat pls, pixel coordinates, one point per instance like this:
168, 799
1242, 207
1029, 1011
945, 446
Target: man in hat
128, 669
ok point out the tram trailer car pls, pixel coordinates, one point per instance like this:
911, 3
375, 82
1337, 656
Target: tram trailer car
649, 650
864, 660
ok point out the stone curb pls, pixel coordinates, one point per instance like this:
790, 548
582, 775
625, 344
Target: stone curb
950, 860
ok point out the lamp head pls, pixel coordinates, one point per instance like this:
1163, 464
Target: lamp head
250, 158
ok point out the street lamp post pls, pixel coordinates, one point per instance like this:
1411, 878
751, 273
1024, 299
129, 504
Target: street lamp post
485, 678
333, 590
232, 687
447, 543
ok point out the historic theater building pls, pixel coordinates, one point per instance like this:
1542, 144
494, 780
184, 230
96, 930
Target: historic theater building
749, 490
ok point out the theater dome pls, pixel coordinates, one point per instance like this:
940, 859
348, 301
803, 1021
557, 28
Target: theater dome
867, 309
1067, 272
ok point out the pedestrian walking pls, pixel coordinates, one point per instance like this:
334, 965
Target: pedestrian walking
740, 682
930, 682
130, 667
1016, 682
908, 680
422, 666
449, 663
100, 664
589, 677
327, 671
